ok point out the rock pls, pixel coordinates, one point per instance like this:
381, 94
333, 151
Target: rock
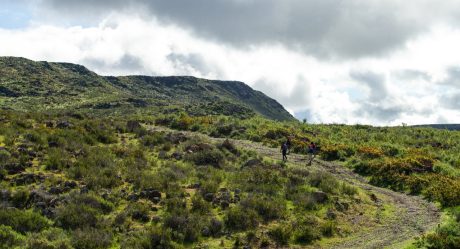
140, 216
176, 138
374, 197
40, 205
331, 214
206, 232
237, 191
252, 163
56, 190
162, 154
177, 155
15, 168
156, 200
320, 197
132, 197
40, 196
209, 197
151, 194
49, 124
84, 190
5, 195
156, 219
133, 125
70, 184
27, 178
194, 186
53, 144
63, 124
224, 204
341, 206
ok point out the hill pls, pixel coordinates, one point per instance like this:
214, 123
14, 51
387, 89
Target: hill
452, 127
43, 86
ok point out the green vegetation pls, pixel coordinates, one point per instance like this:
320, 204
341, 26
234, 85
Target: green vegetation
98, 183
41, 86
88, 169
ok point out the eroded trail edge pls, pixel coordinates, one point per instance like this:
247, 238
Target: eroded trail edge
414, 215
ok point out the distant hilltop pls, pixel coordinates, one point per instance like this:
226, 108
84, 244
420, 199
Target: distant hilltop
47, 86
452, 127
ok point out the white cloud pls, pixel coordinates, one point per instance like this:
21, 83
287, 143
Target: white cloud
409, 89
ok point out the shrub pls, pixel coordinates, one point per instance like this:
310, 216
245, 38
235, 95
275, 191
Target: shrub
23, 221
91, 238
199, 205
136, 240
52, 238
185, 227
73, 216
139, 211
58, 159
211, 157
9, 238
267, 208
20, 198
4, 156
306, 230
161, 238
281, 234
240, 219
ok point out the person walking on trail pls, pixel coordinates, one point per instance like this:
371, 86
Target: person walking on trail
284, 149
288, 144
311, 152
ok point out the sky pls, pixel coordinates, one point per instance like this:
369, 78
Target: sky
328, 61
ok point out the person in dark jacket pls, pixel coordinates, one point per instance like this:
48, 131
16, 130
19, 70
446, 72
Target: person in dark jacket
311, 152
284, 149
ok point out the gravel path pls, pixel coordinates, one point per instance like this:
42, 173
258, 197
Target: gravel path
414, 216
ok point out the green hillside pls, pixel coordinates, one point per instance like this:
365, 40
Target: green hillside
42, 86
88, 161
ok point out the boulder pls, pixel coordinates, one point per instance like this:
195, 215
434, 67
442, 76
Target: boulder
209, 197
63, 124
252, 163
320, 197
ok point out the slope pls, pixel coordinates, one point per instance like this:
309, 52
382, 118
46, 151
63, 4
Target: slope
42, 86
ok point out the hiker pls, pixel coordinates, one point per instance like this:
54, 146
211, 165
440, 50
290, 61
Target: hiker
288, 144
311, 152
284, 149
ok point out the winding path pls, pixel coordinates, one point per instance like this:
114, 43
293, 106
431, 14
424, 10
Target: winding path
414, 215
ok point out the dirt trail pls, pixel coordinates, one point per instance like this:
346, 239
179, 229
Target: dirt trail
414, 216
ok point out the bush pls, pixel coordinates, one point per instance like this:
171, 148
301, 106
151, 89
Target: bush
281, 234
267, 208
20, 198
185, 227
73, 216
9, 238
23, 221
306, 230
136, 240
161, 238
58, 159
52, 238
199, 205
91, 238
211, 157
241, 219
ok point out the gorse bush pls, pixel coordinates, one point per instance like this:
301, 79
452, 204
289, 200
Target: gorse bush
52, 238
91, 238
240, 218
23, 221
9, 238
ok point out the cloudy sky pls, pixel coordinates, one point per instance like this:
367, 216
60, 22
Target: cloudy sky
329, 61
